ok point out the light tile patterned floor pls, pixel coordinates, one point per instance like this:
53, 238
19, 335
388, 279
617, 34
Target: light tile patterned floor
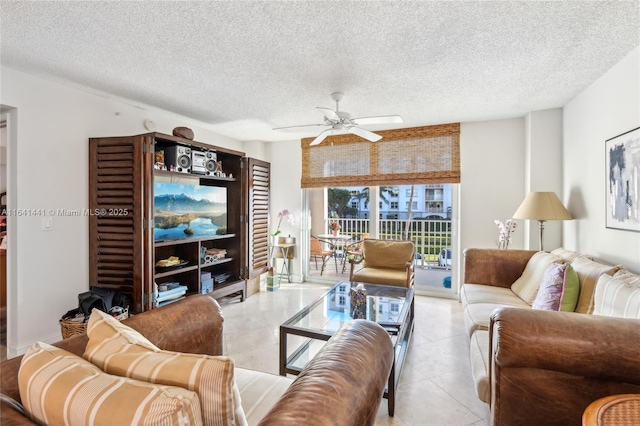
435, 388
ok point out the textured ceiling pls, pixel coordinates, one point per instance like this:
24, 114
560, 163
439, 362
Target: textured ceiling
245, 67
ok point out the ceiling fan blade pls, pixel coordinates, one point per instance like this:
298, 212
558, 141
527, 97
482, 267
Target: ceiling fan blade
302, 125
329, 113
383, 119
322, 136
370, 136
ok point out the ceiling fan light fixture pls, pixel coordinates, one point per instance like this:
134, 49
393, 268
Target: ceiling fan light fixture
340, 120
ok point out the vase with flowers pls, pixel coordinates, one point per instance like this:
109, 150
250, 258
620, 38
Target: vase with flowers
334, 227
284, 214
505, 229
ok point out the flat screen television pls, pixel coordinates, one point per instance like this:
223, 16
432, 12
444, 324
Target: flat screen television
188, 211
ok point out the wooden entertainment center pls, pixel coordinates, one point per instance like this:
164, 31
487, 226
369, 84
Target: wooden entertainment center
123, 252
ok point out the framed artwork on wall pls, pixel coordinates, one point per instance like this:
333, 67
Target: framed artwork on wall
622, 166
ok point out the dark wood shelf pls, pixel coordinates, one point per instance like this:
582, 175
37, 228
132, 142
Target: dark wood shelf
161, 172
175, 271
218, 262
227, 288
167, 243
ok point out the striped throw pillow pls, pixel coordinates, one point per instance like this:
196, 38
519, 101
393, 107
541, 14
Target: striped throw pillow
527, 286
588, 273
121, 350
618, 296
60, 388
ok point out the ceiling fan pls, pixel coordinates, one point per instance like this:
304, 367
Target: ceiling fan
340, 120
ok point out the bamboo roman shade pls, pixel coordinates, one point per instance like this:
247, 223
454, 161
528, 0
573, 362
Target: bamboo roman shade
429, 154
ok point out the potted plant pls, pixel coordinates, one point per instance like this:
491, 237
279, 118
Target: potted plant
334, 227
281, 215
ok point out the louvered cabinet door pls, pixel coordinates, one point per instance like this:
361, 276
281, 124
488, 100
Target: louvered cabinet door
257, 204
119, 243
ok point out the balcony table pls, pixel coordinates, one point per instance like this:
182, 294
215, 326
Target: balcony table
335, 241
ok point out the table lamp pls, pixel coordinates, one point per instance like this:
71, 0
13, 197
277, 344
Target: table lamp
542, 206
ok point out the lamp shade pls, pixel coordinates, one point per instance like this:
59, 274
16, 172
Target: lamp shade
542, 206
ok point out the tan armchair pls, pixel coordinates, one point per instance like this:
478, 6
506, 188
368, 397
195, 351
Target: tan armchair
386, 262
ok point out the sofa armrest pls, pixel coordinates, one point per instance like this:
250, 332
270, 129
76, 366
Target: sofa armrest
499, 268
9, 416
343, 384
193, 325
547, 367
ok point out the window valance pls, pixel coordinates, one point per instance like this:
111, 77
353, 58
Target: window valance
429, 154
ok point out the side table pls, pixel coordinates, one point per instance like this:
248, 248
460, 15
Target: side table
623, 409
285, 251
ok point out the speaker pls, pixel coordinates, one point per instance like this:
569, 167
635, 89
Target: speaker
210, 164
177, 158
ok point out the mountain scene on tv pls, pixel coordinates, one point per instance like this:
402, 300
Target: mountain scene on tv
183, 211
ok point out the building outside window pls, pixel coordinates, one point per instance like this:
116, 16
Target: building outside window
434, 194
414, 205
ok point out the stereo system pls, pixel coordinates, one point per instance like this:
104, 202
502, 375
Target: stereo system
178, 158
183, 159
203, 162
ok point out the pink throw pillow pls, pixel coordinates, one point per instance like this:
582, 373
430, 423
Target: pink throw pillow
558, 290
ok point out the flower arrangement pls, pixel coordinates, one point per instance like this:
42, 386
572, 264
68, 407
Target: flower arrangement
281, 215
506, 228
334, 226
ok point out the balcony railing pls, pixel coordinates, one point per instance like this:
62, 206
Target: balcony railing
429, 236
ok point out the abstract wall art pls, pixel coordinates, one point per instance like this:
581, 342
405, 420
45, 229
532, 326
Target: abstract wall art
622, 165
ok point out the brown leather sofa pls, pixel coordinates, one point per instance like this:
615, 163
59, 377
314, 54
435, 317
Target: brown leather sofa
535, 367
348, 375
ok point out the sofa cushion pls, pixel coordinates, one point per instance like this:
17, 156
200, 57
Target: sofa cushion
559, 289
397, 277
480, 293
618, 295
121, 350
479, 354
526, 287
564, 254
58, 387
477, 315
588, 273
388, 254
259, 392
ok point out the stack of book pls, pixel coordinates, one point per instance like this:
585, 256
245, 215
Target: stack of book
169, 293
220, 278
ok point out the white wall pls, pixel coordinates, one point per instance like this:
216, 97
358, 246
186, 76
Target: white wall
543, 172
492, 158
286, 171
53, 126
608, 107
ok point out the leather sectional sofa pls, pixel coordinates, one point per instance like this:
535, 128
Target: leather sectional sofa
541, 367
348, 375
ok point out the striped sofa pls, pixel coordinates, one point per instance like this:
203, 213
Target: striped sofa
535, 366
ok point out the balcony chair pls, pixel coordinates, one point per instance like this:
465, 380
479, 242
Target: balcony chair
387, 262
353, 250
317, 249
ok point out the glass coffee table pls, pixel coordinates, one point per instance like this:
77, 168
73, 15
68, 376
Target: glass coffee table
308, 330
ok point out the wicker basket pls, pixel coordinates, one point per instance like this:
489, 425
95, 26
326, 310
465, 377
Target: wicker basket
70, 328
